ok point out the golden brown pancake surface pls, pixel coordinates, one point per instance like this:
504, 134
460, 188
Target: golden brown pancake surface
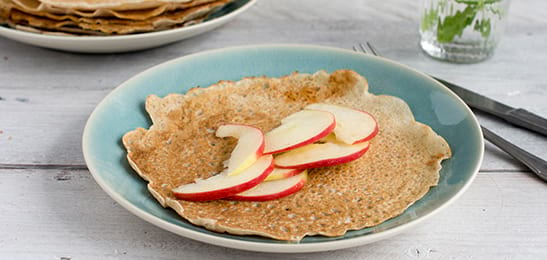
403, 161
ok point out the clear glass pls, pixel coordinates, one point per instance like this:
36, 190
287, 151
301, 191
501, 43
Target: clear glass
463, 31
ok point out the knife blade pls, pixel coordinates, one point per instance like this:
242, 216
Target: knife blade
517, 116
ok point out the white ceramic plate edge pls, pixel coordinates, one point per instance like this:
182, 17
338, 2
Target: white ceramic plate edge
120, 43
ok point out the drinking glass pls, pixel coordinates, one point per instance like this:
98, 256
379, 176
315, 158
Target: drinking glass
463, 31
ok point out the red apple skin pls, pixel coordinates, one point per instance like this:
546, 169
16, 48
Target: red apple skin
260, 150
374, 132
288, 174
223, 193
293, 189
328, 162
316, 138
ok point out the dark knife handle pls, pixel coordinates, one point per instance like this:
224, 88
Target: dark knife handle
526, 119
516, 116
534, 163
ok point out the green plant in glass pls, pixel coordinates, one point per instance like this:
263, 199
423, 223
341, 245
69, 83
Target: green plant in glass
452, 23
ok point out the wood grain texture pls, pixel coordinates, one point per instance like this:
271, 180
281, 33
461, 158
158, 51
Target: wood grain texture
42, 88
52, 209
59, 213
44, 126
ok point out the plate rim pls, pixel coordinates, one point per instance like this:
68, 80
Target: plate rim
261, 246
137, 36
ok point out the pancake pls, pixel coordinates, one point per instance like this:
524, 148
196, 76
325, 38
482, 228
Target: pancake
83, 25
73, 31
35, 7
403, 161
110, 4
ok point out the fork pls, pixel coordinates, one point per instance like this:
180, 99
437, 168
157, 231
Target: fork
534, 163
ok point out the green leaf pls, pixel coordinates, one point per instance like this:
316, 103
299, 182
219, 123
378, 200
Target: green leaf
429, 19
484, 27
453, 26
476, 1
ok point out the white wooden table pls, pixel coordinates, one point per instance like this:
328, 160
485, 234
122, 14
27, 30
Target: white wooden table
51, 208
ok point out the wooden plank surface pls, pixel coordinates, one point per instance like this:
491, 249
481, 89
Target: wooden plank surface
60, 213
40, 87
44, 126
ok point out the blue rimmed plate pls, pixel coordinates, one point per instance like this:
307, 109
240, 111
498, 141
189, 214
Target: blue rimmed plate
123, 110
131, 42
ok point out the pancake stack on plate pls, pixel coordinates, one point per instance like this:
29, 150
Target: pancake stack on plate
104, 17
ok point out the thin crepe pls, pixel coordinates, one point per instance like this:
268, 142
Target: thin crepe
71, 31
114, 26
402, 164
35, 7
109, 4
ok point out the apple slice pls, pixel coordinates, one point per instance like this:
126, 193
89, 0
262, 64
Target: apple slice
329, 138
299, 129
278, 174
352, 126
272, 190
320, 155
250, 145
222, 186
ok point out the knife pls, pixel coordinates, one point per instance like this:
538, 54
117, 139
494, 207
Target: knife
517, 116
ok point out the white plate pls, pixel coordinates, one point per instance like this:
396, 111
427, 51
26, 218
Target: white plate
124, 43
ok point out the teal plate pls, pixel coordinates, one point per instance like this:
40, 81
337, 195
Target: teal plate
123, 110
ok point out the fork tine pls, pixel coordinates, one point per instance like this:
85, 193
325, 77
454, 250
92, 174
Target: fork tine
363, 48
373, 50
355, 49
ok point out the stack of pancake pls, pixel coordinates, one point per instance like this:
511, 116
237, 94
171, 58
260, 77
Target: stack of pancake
104, 17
